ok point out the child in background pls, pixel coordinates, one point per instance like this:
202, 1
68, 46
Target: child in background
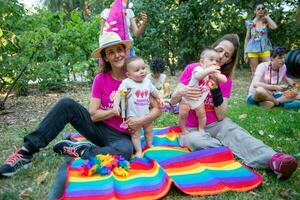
138, 101
158, 78
209, 66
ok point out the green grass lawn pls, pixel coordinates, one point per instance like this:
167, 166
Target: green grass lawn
278, 128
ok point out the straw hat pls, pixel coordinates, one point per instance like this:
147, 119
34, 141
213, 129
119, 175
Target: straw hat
109, 39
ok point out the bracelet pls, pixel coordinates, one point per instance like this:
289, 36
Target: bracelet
217, 96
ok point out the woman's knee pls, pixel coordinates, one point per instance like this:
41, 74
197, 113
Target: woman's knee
260, 93
198, 141
66, 102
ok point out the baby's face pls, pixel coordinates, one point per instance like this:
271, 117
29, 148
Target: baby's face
136, 70
211, 58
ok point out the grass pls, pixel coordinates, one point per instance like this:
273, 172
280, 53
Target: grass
278, 128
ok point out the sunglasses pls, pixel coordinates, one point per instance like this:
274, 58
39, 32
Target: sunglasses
280, 50
260, 8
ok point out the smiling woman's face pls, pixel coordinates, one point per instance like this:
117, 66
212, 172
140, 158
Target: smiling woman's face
115, 55
226, 50
259, 10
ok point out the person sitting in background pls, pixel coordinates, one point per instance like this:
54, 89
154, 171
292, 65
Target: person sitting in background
158, 78
267, 84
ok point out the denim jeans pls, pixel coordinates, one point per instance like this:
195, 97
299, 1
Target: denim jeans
107, 140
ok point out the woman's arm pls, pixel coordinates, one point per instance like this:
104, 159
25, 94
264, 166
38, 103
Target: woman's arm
257, 83
221, 110
138, 30
220, 103
289, 80
271, 24
136, 123
99, 114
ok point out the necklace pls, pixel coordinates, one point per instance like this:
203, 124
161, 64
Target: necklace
270, 67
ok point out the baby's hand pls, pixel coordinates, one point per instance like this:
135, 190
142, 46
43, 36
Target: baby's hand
213, 69
161, 102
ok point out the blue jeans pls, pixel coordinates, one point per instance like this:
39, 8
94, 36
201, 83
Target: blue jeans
251, 101
107, 140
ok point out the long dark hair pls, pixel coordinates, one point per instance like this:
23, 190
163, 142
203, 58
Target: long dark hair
227, 69
255, 4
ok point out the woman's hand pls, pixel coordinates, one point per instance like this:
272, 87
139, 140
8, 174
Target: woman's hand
134, 123
281, 87
144, 17
190, 92
268, 20
182, 90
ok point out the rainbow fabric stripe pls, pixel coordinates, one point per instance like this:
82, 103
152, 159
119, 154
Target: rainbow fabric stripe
206, 172
146, 180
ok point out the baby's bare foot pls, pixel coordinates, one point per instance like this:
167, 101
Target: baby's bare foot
138, 154
185, 132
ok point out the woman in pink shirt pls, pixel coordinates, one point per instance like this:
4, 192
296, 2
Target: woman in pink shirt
100, 125
268, 82
219, 129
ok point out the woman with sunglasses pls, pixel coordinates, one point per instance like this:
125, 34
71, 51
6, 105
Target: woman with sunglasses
257, 44
266, 87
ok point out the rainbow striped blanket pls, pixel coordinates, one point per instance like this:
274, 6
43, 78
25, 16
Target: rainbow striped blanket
206, 172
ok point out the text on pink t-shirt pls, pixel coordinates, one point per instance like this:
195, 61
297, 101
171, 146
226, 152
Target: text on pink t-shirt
104, 88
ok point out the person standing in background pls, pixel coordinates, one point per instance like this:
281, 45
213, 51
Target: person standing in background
257, 44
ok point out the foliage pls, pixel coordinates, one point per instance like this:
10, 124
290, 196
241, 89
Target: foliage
47, 49
11, 12
53, 45
87, 7
178, 30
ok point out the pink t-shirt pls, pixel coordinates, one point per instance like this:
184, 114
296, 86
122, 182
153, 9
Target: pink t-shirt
268, 76
211, 116
104, 88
